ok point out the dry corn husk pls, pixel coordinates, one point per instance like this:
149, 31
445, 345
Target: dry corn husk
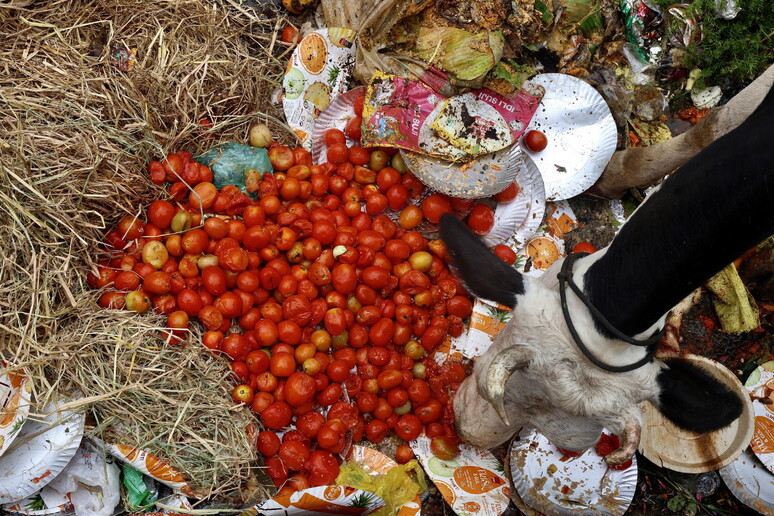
466, 55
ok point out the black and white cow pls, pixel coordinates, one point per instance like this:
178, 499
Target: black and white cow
715, 207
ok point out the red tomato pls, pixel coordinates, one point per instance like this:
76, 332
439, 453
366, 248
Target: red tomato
459, 306
481, 219
508, 194
235, 346
344, 278
338, 371
584, 247
505, 253
403, 454
323, 468
435, 206
330, 394
408, 427
293, 454
353, 130
338, 153
160, 213
429, 412
214, 280
257, 361
310, 423
268, 443
344, 412
276, 470
444, 447
299, 388
277, 415
535, 141
334, 136
376, 430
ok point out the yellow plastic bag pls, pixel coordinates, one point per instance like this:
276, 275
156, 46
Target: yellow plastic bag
395, 487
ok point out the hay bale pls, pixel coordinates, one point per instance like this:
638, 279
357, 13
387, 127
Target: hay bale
76, 133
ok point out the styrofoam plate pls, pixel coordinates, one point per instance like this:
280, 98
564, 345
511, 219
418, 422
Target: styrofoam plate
582, 135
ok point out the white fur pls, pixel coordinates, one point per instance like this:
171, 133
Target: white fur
560, 393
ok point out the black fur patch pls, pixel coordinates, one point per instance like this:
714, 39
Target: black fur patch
486, 275
694, 400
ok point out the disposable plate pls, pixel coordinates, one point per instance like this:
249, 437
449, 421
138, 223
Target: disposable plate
760, 384
15, 394
482, 177
518, 220
680, 450
750, 482
582, 485
335, 116
581, 132
42, 450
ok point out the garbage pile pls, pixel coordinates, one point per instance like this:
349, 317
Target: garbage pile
504, 113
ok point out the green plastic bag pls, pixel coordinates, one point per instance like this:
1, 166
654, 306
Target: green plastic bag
396, 487
137, 493
230, 163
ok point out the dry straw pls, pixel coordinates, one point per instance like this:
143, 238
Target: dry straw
76, 134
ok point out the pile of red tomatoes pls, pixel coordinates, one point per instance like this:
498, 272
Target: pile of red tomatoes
327, 308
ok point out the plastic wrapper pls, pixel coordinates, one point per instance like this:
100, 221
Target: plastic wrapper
466, 55
640, 23
409, 115
318, 72
150, 465
396, 486
230, 163
760, 384
137, 492
91, 482
320, 500
474, 482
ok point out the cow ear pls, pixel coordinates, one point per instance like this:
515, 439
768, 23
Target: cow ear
484, 274
694, 400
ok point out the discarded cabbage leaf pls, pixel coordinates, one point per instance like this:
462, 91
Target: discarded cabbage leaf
466, 55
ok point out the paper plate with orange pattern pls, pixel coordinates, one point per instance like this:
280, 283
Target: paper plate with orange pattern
760, 384
41, 451
15, 396
320, 500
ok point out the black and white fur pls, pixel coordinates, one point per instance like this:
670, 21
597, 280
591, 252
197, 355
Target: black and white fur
704, 216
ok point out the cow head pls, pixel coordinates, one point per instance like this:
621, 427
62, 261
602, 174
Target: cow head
534, 374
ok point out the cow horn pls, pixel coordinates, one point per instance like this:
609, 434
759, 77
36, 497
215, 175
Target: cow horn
500, 370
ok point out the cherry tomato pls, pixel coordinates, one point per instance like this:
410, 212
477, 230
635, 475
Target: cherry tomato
444, 447
376, 430
277, 415
353, 128
333, 137
505, 253
584, 247
481, 219
268, 443
535, 141
299, 389
403, 454
310, 424
435, 206
323, 468
293, 454
408, 427
508, 194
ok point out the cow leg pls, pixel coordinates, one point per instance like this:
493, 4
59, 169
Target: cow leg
630, 440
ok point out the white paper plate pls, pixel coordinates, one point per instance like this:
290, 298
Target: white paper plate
41, 451
581, 132
750, 482
36, 504
518, 220
760, 384
482, 177
671, 447
591, 487
15, 395
335, 116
